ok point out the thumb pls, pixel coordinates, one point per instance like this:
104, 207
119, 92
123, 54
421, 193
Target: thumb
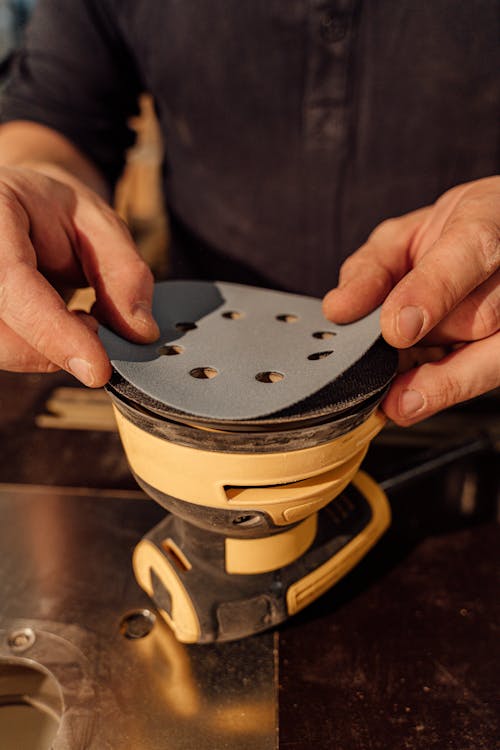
367, 277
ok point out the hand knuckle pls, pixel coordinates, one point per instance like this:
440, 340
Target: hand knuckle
445, 288
447, 390
488, 317
10, 204
384, 230
487, 238
41, 339
450, 196
348, 264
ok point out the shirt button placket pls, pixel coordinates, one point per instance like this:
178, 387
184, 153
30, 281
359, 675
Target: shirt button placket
325, 113
333, 28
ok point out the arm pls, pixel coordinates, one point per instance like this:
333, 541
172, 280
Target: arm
438, 270
61, 147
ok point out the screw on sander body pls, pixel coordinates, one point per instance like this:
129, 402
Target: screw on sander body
21, 640
137, 624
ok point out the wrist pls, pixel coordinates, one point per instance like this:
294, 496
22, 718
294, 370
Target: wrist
33, 146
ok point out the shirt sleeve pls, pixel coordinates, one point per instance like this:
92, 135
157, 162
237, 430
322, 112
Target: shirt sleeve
75, 74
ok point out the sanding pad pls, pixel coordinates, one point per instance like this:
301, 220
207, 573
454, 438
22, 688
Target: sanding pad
233, 352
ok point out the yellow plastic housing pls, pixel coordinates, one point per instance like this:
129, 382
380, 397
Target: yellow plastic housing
257, 556
313, 585
289, 486
184, 620
261, 555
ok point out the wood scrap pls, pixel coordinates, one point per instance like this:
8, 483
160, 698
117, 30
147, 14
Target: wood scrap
77, 409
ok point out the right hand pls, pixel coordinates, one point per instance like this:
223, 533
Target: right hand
56, 233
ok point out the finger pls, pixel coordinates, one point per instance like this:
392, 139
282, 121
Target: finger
122, 281
371, 272
476, 317
18, 356
88, 320
465, 373
465, 256
31, 308
419, 355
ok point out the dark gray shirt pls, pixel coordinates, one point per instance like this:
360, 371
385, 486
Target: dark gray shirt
292, 127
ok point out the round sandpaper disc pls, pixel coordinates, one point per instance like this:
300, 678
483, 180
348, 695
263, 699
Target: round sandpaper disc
233, 352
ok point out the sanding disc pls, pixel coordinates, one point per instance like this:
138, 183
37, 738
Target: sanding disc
233, 352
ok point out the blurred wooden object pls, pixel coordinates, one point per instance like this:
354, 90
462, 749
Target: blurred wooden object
139, 198
77, 409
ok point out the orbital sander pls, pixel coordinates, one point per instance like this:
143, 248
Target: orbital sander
248, 420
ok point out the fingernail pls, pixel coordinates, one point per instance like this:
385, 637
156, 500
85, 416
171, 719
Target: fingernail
410, 402
82, 370
410, 322
141, 312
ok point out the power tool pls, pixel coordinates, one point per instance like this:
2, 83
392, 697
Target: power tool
247, 421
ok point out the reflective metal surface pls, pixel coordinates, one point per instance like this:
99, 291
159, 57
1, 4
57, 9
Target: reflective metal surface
71, 609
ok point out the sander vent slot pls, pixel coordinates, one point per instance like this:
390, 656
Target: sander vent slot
318, 489
233, 491
176, 555
340, 508
247, 520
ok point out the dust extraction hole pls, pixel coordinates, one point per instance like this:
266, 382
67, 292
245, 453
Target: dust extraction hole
170, 350
320, 355
270, 376
324, 334
233, 315
204, 373
184, 327
287, 318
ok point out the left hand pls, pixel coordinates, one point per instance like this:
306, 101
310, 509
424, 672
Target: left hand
438, 270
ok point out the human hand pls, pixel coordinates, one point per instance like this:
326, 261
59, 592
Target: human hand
438, 270
56, 233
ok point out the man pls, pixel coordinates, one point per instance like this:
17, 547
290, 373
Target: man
292, 128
